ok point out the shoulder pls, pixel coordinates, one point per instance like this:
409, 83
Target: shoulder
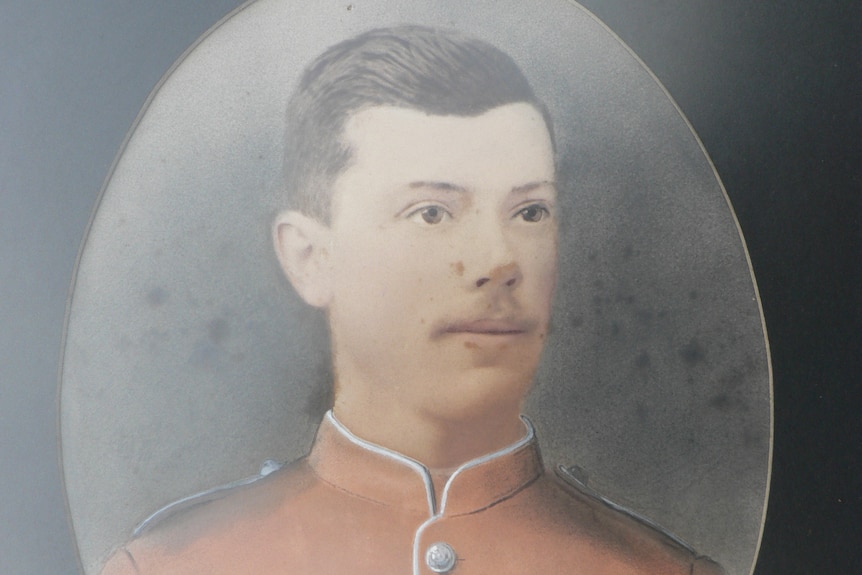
219, 496
213, 524
621, 532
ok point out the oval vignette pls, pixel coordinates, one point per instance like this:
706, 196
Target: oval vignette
188, 361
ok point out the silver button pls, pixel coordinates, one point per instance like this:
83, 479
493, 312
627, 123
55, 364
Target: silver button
440, 557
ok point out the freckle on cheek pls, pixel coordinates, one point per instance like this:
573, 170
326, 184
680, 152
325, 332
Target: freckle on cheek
458, 268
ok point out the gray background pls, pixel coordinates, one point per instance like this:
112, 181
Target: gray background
767, 88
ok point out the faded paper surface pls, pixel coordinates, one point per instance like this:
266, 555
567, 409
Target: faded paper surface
189, 361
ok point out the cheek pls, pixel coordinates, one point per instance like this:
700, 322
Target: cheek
549, 273
544, 260
385, 275
547, 287
542, 273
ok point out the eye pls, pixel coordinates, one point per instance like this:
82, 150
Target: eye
533, 213
430, 215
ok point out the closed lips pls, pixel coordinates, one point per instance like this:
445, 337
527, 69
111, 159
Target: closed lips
489, 327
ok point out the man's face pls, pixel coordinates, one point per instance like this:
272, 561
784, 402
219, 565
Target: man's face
443, 248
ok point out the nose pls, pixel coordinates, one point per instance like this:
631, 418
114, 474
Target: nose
508, 275
494, 263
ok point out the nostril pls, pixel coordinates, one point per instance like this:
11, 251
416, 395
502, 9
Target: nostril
511, 282
482, 281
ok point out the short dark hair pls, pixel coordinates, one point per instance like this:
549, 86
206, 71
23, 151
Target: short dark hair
439, 72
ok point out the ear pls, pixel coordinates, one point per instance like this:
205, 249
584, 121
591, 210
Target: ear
302, 246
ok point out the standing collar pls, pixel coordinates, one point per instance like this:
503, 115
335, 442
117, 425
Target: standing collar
385, 476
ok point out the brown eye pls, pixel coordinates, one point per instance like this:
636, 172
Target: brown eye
430, 215
533, 213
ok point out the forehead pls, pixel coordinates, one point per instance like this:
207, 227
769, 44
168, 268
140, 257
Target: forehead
505, 147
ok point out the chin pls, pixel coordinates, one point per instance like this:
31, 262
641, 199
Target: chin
482, 394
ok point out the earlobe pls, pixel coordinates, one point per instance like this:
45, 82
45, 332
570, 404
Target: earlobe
301, 243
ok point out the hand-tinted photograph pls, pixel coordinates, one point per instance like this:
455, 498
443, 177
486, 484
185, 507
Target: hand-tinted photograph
409, 287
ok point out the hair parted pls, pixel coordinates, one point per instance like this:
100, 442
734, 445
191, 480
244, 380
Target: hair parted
439, 72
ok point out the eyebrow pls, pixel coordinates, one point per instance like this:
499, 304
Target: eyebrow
443, 186
527, 188
449, 187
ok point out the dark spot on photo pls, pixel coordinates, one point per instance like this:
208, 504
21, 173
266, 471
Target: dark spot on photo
642, 413
693, 353
721, 402
644, 316
205, 355
218, 330
157, 296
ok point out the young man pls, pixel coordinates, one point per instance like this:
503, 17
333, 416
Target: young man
421, 179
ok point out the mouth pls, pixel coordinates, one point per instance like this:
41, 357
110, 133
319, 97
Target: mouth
488, 327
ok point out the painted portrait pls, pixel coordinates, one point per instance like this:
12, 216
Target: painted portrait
400, 288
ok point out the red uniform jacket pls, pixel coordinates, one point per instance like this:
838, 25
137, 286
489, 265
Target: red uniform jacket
351, 507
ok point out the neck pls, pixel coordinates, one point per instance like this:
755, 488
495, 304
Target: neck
438, 443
